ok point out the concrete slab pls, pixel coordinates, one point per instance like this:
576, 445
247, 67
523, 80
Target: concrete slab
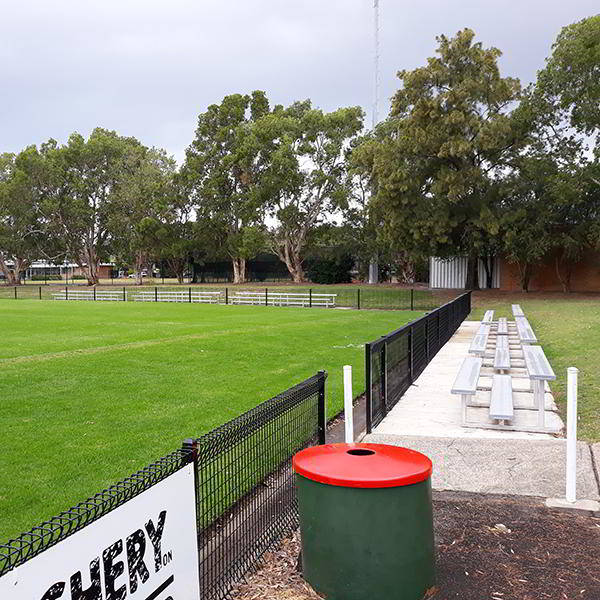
586, 507
525, 467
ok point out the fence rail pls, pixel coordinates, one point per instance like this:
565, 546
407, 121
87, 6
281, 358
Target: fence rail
395, 360
245, 494
316, 296
28, 545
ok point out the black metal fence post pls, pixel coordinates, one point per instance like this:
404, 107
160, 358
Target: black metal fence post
155, 294
40, 291
124, 294
15, 292
412, 299
190, 449
190, 294
322, 409
226, 295
66, 292
411, 353
358, 299
383, 380
266, 296
310, 298
427, 338
94, 293
368, 398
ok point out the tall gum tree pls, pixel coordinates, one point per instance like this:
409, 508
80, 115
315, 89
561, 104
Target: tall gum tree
451, 135
87, 175
223, 171
23, 235
305, 180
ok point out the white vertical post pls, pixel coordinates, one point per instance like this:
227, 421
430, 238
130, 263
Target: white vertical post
348, 414
571, 492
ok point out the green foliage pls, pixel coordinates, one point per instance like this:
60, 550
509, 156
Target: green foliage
449, 136
329, 267
306, 174
570, 82
223, 174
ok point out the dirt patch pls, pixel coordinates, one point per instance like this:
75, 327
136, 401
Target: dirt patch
489, 548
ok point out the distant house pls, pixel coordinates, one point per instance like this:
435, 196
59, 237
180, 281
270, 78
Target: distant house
41, 268
452, 273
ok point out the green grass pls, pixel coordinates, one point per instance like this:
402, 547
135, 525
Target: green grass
90, 392
569, 332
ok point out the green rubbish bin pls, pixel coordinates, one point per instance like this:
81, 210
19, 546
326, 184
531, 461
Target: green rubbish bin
366, 521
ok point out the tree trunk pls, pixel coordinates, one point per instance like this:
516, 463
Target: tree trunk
565, 280
488, 265
89, 262
13, 274
239, 270
472, 281
292, 260
140, 262
524, 275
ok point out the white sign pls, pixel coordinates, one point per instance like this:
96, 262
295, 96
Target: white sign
144, 550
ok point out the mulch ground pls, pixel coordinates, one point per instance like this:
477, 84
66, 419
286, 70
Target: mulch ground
489, 548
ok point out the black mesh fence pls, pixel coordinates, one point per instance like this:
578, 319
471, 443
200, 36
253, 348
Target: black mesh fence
40, 538
395, 360
245, 492
245, 486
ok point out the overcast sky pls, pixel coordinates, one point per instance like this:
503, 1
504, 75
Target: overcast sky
148, 68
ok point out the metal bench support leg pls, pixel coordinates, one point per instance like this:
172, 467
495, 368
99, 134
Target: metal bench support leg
538, 396
465, 400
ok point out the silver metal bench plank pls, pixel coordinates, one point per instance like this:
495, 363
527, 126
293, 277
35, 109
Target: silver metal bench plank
502, 354
468, 374
517, 311
525, 331
537, 364
502, 326
479, 342
501, 400
488, 317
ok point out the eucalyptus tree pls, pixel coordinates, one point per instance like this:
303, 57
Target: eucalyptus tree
23, 232
86, 177
223, 175
305, 176
144, 194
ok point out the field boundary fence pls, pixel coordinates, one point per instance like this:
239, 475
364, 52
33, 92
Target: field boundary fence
395, 360
244, 488
386, 298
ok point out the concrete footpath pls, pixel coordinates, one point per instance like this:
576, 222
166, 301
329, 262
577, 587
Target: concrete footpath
472, 459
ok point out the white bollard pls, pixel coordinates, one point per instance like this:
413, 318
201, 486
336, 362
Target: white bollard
571, 492
348, 410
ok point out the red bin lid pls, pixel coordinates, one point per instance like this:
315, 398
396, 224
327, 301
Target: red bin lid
362, 465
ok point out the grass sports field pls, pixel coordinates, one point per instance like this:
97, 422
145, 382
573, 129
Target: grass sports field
92, 391
568, 328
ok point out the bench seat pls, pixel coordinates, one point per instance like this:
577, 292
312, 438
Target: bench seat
501, 400
466, 380
488, 317
480, 339
502, 354
517, 311
502, 326
539, 371
525, 331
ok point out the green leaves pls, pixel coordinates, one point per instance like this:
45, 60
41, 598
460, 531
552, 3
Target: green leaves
570, 82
